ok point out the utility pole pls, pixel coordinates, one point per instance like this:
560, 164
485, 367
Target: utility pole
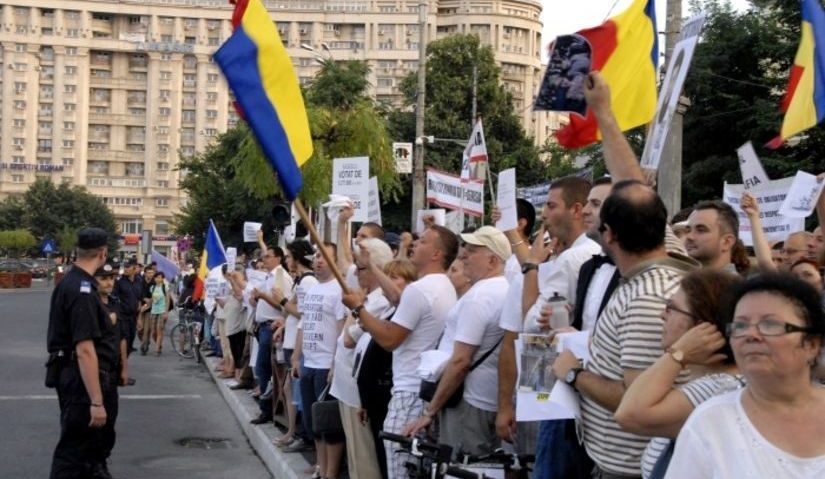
475, 97
669, 182
419, 183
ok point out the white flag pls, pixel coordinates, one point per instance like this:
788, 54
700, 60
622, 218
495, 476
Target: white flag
753, 174
474, 159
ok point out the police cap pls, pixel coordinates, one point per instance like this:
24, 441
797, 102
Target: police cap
107, 270
91, 238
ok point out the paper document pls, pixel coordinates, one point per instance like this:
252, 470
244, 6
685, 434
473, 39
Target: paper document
250, 231
802, 196
257, 279
506, 200
539, 395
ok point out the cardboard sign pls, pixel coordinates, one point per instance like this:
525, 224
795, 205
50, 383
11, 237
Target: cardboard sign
770, 198
350, 178
444, 189
671, 90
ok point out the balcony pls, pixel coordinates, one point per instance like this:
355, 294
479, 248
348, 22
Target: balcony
123, 83
117, 182
117, 119
116, 155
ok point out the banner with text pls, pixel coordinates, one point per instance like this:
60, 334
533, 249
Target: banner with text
351, 178
770, 198
444, 189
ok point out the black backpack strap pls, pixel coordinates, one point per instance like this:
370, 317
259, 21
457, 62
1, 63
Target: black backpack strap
486, 355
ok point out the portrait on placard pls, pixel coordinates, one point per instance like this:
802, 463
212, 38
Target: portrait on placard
562, 88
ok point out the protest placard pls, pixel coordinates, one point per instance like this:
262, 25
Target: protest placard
231, 256
444, 189
439, 217
257, 279
250, 231
350, 178
671, 90
752, 172
506, 200
562, 88
802, 196
374, 205
403, 153
769, 197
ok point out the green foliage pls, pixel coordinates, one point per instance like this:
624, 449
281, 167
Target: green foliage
67, 238
45, 209
15, 242
738, 77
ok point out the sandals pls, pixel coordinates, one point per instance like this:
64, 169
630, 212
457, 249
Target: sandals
282, 441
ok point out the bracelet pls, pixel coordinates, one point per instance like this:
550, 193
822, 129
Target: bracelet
283, 302
517, 243
96, 405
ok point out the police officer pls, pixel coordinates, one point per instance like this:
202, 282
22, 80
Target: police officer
83, 336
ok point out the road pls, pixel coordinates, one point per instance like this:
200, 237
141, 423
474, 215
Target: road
174, 399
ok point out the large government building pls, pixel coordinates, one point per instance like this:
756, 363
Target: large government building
109, 94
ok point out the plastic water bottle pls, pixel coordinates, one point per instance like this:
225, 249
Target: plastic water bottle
560, 317
280, 358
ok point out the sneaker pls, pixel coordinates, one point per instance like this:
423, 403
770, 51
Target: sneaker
101, 471
261, 420
241, 386
231, 382
297, 445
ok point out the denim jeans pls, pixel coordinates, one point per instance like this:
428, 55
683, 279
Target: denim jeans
558, 452
312, 382
263, 365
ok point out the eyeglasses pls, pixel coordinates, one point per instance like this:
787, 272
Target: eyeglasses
669, 307
766, 327
791, 251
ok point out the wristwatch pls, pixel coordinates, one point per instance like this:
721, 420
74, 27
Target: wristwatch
283, 302
528, 267
677, 355
356, 311
572, 376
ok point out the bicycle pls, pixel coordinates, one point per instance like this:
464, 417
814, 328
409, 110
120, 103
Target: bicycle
185, 336
433, 461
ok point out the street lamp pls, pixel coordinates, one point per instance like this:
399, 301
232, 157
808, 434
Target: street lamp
318, 56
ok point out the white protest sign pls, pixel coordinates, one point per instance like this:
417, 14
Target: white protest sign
439, 218
250, 231
403, 157
351, 178
231, 257
752, 172
257, 279
769, 198
671, 90
374, 203
506, 200
452, 221
802, 196
444, 189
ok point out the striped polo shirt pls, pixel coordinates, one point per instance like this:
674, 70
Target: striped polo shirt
628, 335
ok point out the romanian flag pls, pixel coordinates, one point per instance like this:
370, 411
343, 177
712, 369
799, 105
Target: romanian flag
626, 51
212, 257
260, 74
804, 102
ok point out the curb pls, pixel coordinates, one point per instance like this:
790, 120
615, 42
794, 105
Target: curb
280, 464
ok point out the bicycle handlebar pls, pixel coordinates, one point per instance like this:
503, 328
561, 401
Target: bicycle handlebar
463, 474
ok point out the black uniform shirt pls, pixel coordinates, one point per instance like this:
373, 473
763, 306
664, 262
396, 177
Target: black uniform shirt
130, 294
77, 314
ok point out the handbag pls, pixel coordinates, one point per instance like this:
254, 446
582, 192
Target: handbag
427, 389
326, 416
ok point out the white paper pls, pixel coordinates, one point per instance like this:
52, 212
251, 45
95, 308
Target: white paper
533, 405
231, 257
506, 200
257, 279
374, 205
802, 197
577, 342
350, 178
438, 214
671, 90
452, 221
250, 231
770, 198
253, 353
753, 174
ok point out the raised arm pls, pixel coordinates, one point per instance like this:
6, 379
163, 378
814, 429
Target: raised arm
344, 244
761, 247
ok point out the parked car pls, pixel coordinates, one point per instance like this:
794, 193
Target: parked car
37, 267
13, 266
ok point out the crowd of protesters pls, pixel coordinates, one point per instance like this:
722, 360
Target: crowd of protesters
702, 361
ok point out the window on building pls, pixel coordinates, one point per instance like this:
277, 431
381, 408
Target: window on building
17, 159
72, 32
16, 178
47, 32
71, 51
68, 161
210, 131
188, 116
163, 166
165, 57
19, 104
212, 77
165, 75
19, 123
165, 94
20, 67
19, 141
189, 40
69, 88
162, 183
130, 227
211, 114
164, 111
68, 125
68, 143
213, 41
166, 38
70, 70
69, 107
44, 145
19, 87
162, 203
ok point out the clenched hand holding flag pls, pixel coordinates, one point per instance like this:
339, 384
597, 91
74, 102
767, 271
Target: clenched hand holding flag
260, 74
626, 51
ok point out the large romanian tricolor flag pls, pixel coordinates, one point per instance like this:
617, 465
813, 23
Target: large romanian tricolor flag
626, 52
260, 74
212, 257
804, 102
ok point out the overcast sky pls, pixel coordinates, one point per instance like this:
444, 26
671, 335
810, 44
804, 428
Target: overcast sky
561, 16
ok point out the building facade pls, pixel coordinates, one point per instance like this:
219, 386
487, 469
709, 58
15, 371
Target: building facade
109, 95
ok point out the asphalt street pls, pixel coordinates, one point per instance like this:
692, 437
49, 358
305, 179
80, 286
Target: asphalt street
174, 402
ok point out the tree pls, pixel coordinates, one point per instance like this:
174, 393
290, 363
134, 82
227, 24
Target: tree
15, 242
45, 209
344, 122
450, 63
738, 77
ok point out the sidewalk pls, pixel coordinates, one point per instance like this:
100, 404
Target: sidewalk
281, 465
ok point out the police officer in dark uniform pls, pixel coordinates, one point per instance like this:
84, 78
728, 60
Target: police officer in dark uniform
84, 349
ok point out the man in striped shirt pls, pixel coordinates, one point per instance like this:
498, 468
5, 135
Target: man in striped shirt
628, 333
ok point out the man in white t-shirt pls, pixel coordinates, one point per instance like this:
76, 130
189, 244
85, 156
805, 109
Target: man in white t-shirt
472, 336
345, 258
322, 317
415, 328
268, 318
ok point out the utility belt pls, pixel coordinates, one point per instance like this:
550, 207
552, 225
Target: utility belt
60, 359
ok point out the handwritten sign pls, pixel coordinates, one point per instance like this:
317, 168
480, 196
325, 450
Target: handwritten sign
350, 178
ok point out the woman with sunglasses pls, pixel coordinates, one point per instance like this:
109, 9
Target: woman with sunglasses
773, 428
695, 349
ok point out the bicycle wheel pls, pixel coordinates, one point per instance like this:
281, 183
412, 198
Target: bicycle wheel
181, 339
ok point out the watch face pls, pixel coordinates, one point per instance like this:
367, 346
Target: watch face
571, 376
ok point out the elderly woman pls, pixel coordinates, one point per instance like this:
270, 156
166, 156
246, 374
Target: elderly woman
773, 428
694, 322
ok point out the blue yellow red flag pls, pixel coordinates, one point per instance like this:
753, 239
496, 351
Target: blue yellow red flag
260, 73
625, 49
213, 256
804, 102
